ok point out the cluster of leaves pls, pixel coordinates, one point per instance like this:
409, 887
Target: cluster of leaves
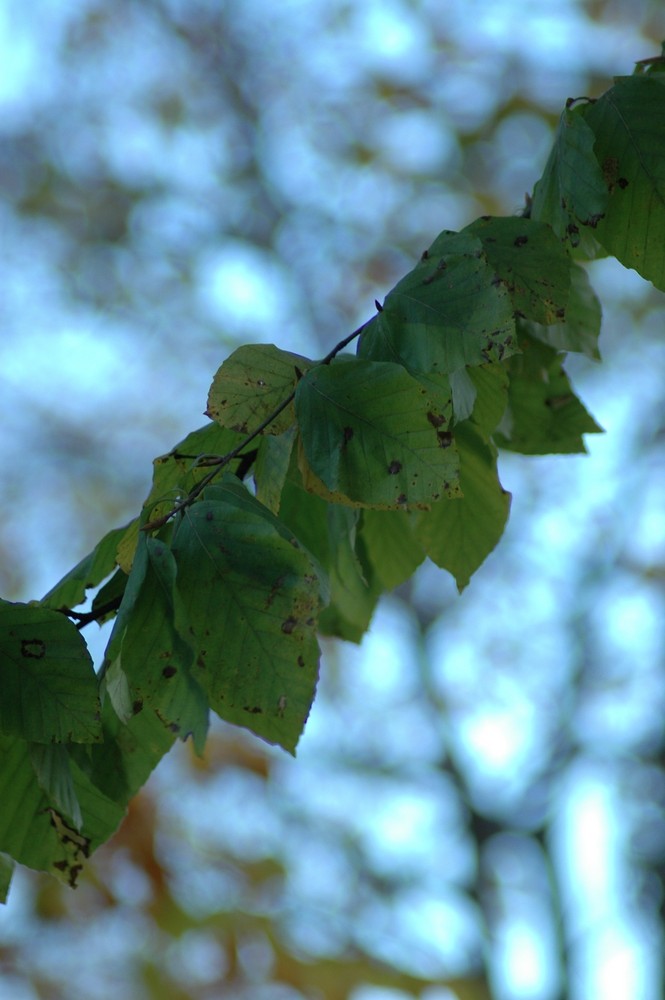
317, 486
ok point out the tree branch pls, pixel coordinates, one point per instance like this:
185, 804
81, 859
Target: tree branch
220, 462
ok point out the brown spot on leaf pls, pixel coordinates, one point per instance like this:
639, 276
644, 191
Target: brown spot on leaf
623, 183
289, 625
74, 873
347, 435
521, 241
401, 498
610, 171
169, 671
300, 661
209, 515
436, 419
445, 438
274, 590
441, 266
558, 402
394, 467
255, 710
137, 706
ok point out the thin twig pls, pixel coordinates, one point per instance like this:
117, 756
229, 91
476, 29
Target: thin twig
224, 460
84, 618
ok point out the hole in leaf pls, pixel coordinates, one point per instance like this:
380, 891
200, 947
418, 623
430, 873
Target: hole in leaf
33, 649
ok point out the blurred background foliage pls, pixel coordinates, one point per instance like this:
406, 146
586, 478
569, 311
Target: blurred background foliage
476, 810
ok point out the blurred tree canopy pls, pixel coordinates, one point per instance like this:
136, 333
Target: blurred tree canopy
478, 799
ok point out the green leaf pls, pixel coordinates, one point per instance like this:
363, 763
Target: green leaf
544, 416
373, 438
153, 654
135, 738
272, 466
51, 764
572, 191
48, 689
387, 546
251, 595
629, 124
175, 473
33, 830
328, 531
133, 745
447, 313
532, 264
251, 384
306, 514
7, 867
352, 599
458, 535
90, 572
26, 830
581, 328
102, 815
491, 386
110, 594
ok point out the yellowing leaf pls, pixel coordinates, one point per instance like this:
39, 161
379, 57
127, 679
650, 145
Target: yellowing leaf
251, 384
